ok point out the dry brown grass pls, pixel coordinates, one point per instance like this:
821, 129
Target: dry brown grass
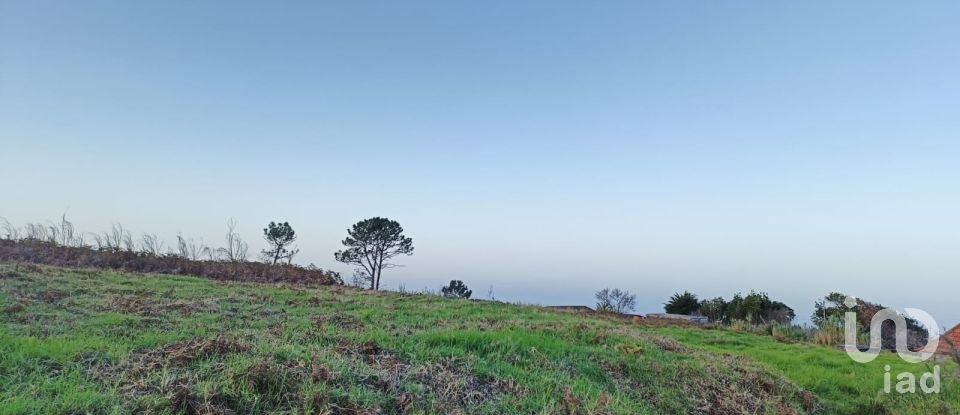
668, 344
339, 320
184, 352
184, 400
47, 253
14, 308
750, 390
829, 336
148, 306
51, 296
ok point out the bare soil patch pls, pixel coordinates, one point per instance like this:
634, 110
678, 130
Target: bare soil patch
51, 296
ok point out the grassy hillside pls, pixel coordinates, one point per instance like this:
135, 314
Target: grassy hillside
848, 387
80, 340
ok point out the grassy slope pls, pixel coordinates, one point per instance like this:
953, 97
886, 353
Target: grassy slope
105, 342
829, 373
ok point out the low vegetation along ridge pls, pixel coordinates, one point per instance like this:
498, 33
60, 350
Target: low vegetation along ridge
61, 244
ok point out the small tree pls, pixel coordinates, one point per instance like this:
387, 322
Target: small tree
187, 248
236, 249
758, 308
615, 300
685, 304
715, 309
831, 309
152, 245
456, 289
371, 243
279, 236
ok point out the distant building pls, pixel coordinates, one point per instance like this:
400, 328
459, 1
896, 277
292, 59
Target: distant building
684, 317
588, 310
953, 335
580, 308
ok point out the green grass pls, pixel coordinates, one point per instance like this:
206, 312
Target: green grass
829, 373
90, 341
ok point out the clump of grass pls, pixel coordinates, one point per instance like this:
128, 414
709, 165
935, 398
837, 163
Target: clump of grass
668, 344
13, 308
828, 335
741, 325
276, 382
787, 333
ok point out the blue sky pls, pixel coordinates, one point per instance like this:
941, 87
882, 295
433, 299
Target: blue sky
546, 149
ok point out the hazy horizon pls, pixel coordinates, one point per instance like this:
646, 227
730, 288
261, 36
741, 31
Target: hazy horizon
546, 150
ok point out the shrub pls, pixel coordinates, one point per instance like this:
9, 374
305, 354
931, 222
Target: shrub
758, 308
456, 289
41, 252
